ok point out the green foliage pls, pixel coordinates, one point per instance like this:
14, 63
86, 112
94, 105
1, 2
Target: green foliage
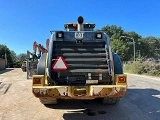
149, 68
22, 56
18, 64
5, 54
113, 31
120, 48
14, 56
152, 46
10, 56
123, 46
135, 68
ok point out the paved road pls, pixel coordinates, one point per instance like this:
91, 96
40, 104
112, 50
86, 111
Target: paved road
142, 102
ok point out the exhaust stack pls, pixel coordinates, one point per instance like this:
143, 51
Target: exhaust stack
80, 23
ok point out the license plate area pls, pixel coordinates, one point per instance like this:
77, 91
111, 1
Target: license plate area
79, 91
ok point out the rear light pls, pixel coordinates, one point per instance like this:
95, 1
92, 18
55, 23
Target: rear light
36, 81
74, 25
98, 36
121, 79
60, 34
88, 25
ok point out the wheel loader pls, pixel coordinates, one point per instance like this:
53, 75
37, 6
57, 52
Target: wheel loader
79, 64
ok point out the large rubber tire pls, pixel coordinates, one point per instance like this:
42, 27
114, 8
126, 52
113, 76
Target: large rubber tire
48, 100
41, 65
118, 69
25, 69
110, 101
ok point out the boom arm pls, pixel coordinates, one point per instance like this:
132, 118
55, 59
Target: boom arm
47, 44
40, 48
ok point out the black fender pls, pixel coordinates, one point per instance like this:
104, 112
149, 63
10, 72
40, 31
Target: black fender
41, 65
118, 69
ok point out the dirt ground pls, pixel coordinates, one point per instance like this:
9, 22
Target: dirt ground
142, 102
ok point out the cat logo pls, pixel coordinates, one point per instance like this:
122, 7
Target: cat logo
79, 35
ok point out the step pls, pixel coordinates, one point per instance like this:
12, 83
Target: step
86, 59
80, 49
86, 70
88, 66
81, 54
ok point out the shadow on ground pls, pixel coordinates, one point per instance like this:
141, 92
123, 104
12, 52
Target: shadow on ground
6, 70
73, 104
137, 104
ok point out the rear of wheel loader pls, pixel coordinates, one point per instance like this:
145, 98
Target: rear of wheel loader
79, 65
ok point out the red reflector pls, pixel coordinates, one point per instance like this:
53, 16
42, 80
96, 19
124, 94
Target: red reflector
37, 81
121, 79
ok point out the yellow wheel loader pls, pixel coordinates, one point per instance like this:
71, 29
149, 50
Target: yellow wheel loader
79, 65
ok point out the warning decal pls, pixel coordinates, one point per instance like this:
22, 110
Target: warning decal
60, 64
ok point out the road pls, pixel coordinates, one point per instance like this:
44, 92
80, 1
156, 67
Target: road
142, 102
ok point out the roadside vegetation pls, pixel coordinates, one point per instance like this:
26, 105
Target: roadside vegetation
11, 58
147, 50
144, 68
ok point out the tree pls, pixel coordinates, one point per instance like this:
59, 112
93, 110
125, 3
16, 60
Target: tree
132, 39
113, 31
133, 34
152, 45
144, 47
119, 47
14, 56
22, 56
6, 54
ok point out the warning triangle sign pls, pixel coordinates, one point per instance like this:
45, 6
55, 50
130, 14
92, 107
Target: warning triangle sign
60, 64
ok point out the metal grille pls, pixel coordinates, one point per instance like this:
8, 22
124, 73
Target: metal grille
83, 59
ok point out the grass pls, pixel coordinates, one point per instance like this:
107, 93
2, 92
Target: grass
147, 68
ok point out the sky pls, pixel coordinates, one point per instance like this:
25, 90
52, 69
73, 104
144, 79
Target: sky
24, 21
